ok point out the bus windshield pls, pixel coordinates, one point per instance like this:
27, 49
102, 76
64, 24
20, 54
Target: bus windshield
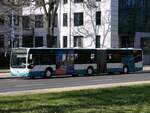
18, 61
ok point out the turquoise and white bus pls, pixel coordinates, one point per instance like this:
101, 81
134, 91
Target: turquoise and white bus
48, 62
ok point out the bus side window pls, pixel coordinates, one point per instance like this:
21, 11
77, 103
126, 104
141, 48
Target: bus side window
114, 57
36, 59
45, 59
92, 56
76, 58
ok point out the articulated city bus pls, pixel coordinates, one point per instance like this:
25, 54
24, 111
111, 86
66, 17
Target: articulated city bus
48, 62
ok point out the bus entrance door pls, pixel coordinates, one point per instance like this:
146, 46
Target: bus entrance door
101, 61
129, 61
70, 62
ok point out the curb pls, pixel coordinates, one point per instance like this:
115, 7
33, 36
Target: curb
10, 77
146, 71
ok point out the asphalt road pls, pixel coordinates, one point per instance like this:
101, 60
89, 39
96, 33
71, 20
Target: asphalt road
20, 84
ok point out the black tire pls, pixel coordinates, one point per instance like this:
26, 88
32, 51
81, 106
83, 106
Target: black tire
31, 77
125, 70
48, 73
75, 75
90, 71
110, 73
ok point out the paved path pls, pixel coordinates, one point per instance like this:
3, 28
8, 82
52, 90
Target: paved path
146, 68
19, 86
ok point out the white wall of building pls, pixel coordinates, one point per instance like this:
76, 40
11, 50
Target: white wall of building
108, 30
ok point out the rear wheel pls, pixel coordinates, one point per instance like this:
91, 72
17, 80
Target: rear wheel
75, 75
48, 73
90, 71
31, 77
125, 70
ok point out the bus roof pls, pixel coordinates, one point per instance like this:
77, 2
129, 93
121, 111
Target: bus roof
119, 49
79, 48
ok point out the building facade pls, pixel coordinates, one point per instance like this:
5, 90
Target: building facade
134, 25
87, 24
34, 28
10, 35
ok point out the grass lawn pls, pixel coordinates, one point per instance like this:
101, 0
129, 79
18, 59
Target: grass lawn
132, 99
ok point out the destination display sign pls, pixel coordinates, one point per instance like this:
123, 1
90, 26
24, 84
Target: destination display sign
19, 50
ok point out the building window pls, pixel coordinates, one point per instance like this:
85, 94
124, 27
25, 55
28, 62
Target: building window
38, 41
55, 41
52, 41
78, 1
97, 41
56, 20
26, 22
98, 18
38, 21
145, 45
64, 41
65, 19
27, 41
16, 43
1, 41
26, 3
78, 19
65, 1
78, 41
38, 3
126, 41
2, 20
16, 20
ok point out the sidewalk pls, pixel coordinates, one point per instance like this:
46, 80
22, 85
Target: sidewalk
5, 73
146, 68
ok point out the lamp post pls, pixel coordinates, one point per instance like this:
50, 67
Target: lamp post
12, 34
70, 22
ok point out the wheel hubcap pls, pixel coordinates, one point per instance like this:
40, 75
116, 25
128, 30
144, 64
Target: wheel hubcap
48, 73
125, 70
89, 71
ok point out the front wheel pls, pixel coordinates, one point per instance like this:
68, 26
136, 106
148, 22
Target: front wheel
31, 77
90, 71
48, 73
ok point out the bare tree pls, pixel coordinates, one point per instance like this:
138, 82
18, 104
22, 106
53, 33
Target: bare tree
90, 29
49, 8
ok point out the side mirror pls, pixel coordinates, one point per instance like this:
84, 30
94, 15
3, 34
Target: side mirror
30, 66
